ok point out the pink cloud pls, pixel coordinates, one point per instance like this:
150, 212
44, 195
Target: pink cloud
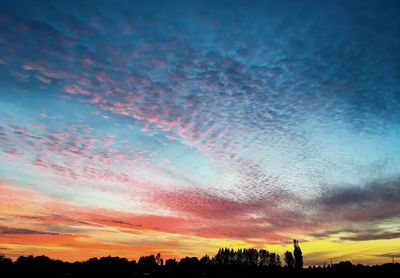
217, 216
14, 153
43, 79
58, 74
75, 89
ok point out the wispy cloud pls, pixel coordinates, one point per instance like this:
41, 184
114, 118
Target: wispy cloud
18, 231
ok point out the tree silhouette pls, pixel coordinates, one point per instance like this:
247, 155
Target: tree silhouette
205, 260
6, 265
227, 262
147, 263
189, 262
171, 263
298, 255
158, 259
249, 257
289, 260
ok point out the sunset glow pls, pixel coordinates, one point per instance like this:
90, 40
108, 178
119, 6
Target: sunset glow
180, 127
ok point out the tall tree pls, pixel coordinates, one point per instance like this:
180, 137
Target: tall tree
298, 255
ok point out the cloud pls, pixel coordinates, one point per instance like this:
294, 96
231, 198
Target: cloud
390, 255
375, 201
202, 93
74, 153
193, 213
19, 231
358, 213
372, 236
223, 216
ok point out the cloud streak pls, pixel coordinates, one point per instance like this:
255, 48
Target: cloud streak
17, 231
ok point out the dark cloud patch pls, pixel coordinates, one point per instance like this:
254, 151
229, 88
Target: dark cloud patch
58, 219
371, 236
327, 233
358, 234
361, 212
19, 231
390, 255
375, 201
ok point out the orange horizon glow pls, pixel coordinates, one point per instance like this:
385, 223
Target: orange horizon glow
99, 232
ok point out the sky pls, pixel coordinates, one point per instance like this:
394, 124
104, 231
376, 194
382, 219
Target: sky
134, 127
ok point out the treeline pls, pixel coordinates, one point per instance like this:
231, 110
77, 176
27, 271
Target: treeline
246, 257
226, 263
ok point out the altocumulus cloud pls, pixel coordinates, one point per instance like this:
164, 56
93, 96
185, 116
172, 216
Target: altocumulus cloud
206, 110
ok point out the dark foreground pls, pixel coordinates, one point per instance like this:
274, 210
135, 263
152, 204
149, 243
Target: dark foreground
43, 266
